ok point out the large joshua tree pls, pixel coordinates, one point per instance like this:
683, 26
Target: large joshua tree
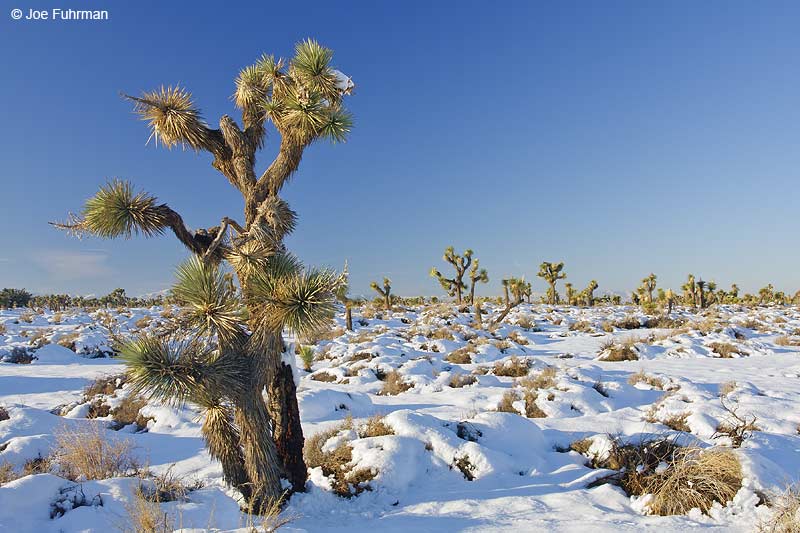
476, 275
220, 365
551, 273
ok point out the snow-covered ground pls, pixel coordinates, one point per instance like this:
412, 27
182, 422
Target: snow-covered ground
524, 477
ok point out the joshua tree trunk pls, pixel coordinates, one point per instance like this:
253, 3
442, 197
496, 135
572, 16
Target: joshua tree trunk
478, 317
287, 431
348, 317
505, 293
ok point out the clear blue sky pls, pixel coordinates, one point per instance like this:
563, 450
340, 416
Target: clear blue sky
619, 137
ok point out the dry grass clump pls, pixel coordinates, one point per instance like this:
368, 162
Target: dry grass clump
502, 344
375, 427
677, 422
519, 338
3, 329
514, 367
618, 351
88, 453
326, 333
785, 516
629, 322
465, 466
678, 478
394, 384
129, 412
40, 338
146, 516
68, 340
143, 322
461, 356
643, 377
786, 340
461, 380
506, 404
337, 464
543, 380
324, 377
726, 349
98, 409
443, 333
531, 409
582, 325
7, 473
27, 317
38, 465
4, 414
581, 446
527, 323
106, 385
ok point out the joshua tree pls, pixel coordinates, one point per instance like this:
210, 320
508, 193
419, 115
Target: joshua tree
386, 292
690, 291
766, 294
519, 289
455, 285
505, 290
476, 275
669, 298
551, 273
700, 293
648, 286
220, 366
571, 294
734, 291
589, 290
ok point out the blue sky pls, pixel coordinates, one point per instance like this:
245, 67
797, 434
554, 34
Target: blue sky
619, 137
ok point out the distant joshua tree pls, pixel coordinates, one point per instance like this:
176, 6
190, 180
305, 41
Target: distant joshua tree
519, 289
588, 293
551, 273
385, 292
455, 285
476, 275
572, 297
669, 299
648, 286
220, 366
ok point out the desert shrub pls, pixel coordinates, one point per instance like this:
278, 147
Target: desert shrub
465, 466
3, 329
442, 333
677, 478
27, 317
519, 338
326, 333
68, 340
394, 384
336, 464
581, 446
600, 388
615, 351
7, 473
143, 322
642, 377
543, 380
526, 322
19, 355
531, 409
128, 412
460, 380
375, 427
105, 385
514, 367
39, 339
737, 428
506, 404
324, 377
629, 322
88, 453
726, 349
677, 422
98, 409
786, 340
582, 325
461, 356
663, 322
145, 515
38, 465
307, 356
608, 327
785, 515
4, 414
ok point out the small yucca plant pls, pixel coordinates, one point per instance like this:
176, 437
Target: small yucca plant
307, 356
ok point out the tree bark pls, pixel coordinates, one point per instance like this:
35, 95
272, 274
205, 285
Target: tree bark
348, 318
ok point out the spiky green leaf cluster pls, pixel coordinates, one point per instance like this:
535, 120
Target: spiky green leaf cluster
172, 117
211, 301
117, 211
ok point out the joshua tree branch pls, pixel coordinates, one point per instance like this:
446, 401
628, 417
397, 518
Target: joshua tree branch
285, 163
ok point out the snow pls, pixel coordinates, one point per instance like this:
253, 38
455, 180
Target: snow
523, 479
